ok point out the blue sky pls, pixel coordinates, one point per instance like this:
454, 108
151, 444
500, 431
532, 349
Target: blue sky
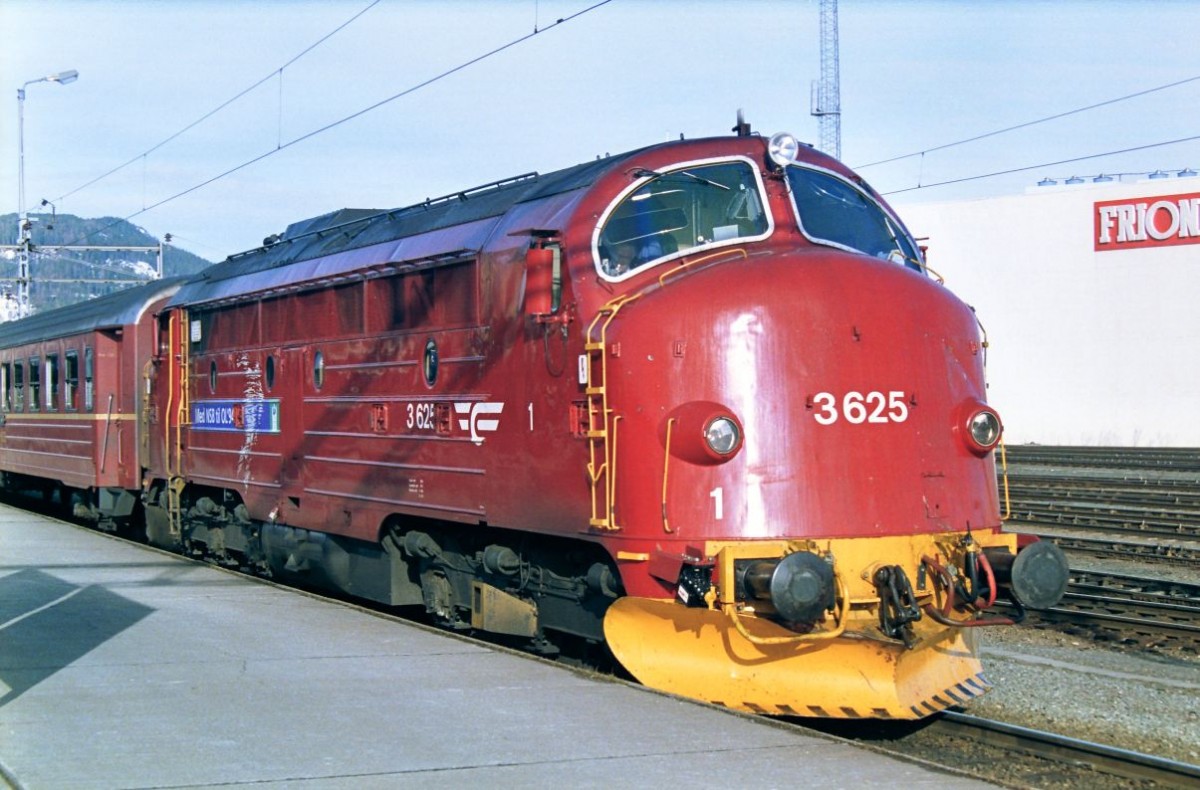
915, 74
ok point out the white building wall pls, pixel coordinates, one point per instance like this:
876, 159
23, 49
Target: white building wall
1086, 347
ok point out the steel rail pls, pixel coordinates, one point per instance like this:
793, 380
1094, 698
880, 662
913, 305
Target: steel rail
1128, 605
1072, 751
1128, 523
1107, 547
1138, 588
1183, 459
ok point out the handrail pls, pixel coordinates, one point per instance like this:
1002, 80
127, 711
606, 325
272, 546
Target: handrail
841, 618
666, 468
686, 264
1004, 470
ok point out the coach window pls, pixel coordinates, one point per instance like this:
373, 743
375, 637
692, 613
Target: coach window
6, 386
71, 381
88, 367
18, 386
52, 382
35, 383
694, 206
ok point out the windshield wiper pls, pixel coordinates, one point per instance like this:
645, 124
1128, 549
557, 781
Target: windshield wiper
643, 172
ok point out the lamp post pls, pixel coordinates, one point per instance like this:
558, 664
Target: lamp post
24, 227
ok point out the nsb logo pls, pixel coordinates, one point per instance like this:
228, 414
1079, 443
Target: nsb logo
474, 417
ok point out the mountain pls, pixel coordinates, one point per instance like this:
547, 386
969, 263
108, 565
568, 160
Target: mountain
67, 229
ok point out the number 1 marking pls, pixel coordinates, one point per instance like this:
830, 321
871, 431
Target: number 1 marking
718, 497
531, 415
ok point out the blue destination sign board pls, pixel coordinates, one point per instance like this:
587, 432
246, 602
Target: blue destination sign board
259, 415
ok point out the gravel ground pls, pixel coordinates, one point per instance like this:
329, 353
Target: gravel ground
1129, 698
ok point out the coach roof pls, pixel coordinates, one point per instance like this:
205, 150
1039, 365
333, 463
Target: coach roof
104, 312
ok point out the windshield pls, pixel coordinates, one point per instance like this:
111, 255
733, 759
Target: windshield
701, 205
833, 211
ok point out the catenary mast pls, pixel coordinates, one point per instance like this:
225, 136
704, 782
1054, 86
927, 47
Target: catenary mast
826, 94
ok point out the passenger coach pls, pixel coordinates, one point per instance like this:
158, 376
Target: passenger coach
73, 416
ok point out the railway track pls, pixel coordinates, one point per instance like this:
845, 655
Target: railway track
1134, 503
1012, 755
1152, 612
1071, 754
1171, 459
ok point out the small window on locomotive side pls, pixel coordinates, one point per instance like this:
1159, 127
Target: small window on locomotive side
18, 386
35, 383
71, 381
88, 371
52, 382
207, 322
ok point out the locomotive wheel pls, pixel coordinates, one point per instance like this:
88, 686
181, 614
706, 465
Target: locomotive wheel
698, 653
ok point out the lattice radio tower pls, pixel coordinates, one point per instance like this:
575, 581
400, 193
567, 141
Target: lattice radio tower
826, 94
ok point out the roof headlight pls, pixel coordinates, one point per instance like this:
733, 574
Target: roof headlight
983, 430
722, 436
783, 148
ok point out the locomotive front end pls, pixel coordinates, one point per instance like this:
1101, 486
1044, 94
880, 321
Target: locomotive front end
820, 533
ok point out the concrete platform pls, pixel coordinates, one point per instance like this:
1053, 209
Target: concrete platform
122, 667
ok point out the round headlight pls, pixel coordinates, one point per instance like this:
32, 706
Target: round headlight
783, 148
984, 428
722, 436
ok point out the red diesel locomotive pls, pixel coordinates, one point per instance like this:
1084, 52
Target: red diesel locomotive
700, 402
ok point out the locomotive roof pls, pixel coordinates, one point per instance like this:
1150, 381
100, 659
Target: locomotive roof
104, 312
350, 229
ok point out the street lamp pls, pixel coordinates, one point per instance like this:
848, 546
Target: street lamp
24, 236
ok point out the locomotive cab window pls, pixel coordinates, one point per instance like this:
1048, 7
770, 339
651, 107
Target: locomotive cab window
833, 211
694, 206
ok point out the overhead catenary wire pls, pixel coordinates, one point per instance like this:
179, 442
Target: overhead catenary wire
345, 119
1010, 171
277, 72
1027, 124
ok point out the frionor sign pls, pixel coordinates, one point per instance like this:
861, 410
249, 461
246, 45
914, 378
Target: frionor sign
1156, 222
